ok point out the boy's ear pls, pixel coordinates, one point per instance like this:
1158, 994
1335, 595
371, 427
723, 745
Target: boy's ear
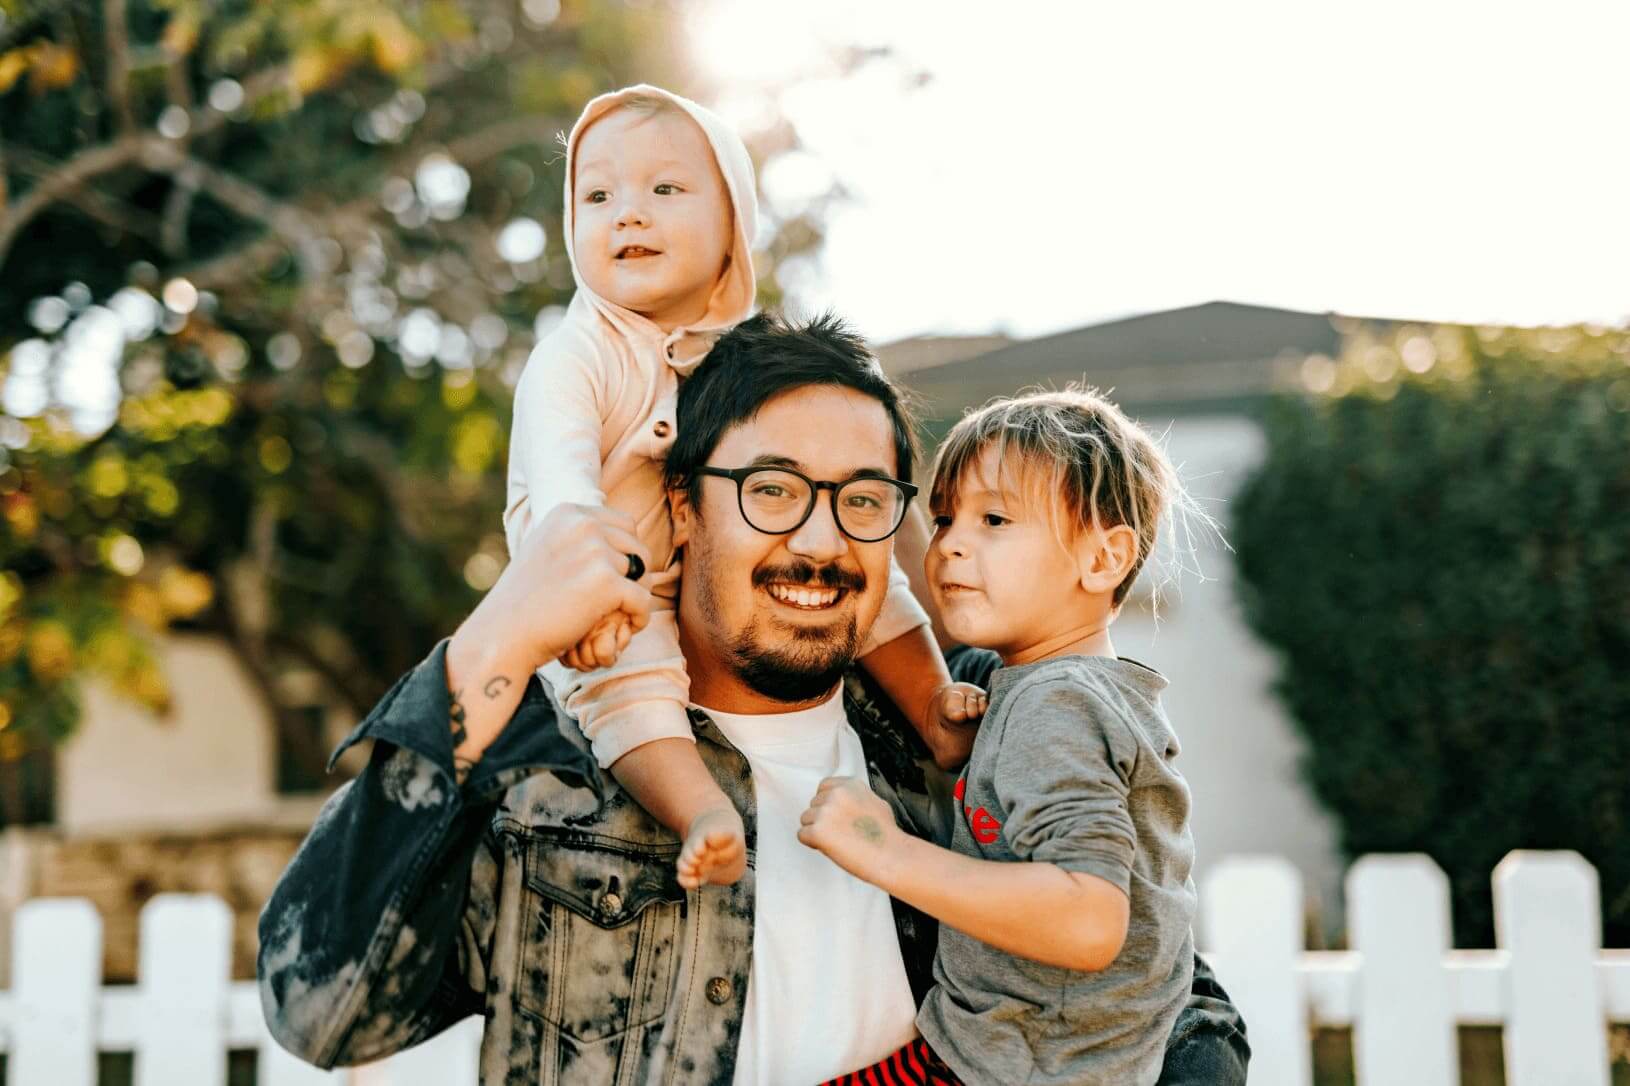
680, 513
1104, 556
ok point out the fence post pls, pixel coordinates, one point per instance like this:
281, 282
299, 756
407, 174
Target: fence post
16, 887
1253, 914
1547, 914
185, 968
1403, 1022
57, 976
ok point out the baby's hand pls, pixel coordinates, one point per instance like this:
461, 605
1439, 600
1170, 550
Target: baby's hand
851, 825
953, 720
602, 645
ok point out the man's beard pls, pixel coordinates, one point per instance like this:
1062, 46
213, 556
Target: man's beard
812, 659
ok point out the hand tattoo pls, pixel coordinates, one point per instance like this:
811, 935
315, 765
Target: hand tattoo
496, 685
455, 713
869, 829
461, 768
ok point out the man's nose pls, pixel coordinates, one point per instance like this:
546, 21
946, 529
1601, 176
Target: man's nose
818, 538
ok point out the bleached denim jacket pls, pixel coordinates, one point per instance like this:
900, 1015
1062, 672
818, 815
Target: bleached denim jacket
542, 897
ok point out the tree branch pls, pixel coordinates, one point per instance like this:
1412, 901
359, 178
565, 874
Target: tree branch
116, 30
227, 269
67, 178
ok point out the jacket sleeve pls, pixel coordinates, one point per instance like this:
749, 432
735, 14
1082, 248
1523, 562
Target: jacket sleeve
1207, 1046
378, 935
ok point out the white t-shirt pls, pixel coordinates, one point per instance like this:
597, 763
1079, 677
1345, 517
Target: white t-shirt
828, 991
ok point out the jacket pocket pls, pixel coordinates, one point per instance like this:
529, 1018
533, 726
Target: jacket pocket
599, 948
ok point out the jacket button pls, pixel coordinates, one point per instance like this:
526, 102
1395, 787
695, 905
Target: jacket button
718, 990
611, 905
660, 429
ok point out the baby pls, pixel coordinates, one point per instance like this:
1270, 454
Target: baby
1065, 900
660, 219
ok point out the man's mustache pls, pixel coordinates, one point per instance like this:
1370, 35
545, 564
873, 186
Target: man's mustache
805, 573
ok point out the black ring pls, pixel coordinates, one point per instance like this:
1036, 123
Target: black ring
636, 567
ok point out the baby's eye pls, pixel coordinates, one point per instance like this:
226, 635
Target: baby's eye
941, 522
666, 188
995, 520
597, 196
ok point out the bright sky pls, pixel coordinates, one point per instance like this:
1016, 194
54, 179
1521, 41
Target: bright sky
1070, 162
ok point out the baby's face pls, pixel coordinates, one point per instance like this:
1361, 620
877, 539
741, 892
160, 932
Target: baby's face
652, 221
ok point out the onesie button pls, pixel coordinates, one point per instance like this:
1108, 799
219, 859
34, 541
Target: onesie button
718, 990
660, 429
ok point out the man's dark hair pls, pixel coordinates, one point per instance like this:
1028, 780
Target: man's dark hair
757, 360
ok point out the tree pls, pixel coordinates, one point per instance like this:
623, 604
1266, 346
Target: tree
1438, 546
270, 270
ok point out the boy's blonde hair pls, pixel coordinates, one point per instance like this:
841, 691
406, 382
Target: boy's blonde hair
1077, 456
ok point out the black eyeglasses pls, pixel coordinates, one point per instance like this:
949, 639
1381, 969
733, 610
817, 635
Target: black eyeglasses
775, 501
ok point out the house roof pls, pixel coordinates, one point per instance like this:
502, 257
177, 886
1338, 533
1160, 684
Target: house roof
1218, 356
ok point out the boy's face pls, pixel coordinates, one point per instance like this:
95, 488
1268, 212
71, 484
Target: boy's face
652, 221
1000, 575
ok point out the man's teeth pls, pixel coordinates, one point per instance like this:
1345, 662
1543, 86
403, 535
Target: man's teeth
804, 597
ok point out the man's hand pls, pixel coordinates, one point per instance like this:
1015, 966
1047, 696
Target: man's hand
570, 574
852, 826
954, 714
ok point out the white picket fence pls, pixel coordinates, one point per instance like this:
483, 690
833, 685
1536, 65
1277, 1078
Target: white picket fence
1401, 989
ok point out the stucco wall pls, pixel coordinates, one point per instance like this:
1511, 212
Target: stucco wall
1239, 748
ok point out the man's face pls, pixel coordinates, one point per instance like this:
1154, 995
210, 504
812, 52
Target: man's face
768, 621
651, 217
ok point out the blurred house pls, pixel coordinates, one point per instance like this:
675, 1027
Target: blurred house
1198, 375
206, 800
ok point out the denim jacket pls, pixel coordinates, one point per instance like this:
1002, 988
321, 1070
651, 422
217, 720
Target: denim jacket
542, 897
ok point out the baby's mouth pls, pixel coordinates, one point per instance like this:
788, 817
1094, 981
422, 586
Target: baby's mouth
804, 597
633, 252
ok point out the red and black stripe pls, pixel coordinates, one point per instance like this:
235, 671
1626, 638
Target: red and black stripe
914, 1065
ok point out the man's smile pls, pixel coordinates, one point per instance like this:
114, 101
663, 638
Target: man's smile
805, 597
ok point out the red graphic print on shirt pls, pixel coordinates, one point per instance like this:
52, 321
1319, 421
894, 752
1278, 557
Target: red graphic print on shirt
981, 823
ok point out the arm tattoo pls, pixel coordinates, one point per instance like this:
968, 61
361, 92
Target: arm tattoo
461, 768
496, 685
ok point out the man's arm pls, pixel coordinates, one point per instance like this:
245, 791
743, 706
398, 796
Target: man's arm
378, 934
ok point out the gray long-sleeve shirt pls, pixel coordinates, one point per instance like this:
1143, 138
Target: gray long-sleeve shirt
1073, 767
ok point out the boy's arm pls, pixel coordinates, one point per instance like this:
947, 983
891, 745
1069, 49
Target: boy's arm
1033, 910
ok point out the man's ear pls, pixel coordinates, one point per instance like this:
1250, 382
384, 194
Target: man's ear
680, 512
1104, 556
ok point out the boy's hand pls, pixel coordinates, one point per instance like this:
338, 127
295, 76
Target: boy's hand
851, 825
954, 714
601, 646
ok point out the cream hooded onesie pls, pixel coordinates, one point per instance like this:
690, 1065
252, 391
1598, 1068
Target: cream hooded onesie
594, 417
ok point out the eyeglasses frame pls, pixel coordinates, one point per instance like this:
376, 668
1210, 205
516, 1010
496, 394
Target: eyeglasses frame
739, 475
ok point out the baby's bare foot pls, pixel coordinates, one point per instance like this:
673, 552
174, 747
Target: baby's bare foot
715, 849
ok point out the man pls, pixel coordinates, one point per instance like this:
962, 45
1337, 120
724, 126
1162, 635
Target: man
482, 865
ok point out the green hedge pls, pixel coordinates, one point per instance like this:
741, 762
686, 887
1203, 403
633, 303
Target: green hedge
1438, 547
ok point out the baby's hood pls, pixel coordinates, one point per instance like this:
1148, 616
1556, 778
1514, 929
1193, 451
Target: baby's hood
732, 300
